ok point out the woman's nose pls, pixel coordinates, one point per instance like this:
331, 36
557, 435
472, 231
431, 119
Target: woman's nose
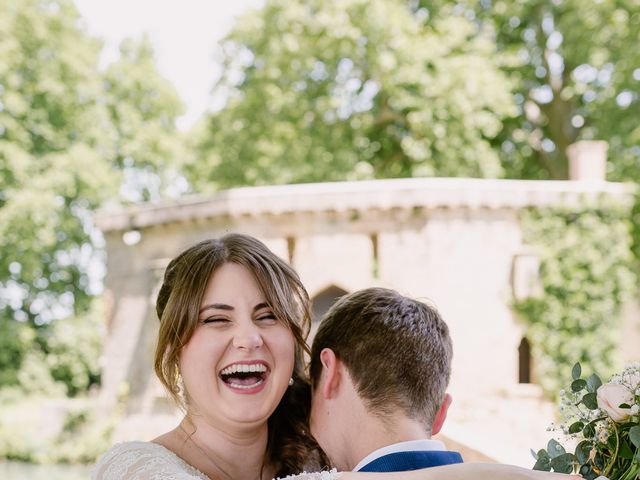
247, 337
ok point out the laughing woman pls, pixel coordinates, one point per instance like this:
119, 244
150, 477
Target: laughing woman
233, 323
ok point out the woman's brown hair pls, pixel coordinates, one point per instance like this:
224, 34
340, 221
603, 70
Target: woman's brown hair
185, 280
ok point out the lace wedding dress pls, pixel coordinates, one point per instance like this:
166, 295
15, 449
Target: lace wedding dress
150, 461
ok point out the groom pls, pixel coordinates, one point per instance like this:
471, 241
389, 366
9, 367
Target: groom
380, 365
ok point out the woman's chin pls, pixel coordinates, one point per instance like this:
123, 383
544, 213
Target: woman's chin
250, 404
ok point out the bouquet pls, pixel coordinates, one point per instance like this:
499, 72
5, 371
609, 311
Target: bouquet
602, 422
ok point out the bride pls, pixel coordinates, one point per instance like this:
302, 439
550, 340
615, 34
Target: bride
233, 323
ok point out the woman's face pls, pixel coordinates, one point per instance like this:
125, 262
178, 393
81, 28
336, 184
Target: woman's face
237, 365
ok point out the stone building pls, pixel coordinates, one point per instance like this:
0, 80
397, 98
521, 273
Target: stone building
454, 242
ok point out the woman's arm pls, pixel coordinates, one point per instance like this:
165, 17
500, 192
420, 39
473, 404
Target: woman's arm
462, 471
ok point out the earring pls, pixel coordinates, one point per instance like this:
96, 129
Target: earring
180, 385
291, 381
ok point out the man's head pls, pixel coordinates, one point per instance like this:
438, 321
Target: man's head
391, 355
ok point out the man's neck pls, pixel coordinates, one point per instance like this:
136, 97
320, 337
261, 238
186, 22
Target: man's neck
375, 434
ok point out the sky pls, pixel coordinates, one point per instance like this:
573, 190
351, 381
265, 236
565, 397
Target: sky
184, 34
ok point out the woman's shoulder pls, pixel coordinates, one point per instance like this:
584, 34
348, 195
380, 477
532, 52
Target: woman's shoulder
143, 461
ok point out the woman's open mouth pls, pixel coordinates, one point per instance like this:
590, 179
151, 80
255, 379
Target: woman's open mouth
245, 377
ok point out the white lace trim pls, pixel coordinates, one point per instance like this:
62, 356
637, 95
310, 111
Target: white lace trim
143, 461
325, 475
151, 461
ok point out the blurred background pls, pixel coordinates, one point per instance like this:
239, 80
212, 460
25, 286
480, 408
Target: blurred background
482, 155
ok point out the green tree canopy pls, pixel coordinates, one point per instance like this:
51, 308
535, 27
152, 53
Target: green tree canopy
143, 106
577, 74
67, 132
55, 142
325, 90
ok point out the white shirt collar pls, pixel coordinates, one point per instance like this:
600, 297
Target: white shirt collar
410, 446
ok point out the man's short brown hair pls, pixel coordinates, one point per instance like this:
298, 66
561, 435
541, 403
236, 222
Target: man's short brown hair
396, 349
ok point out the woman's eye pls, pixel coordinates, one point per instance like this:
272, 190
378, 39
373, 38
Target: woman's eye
215, 320
267, 317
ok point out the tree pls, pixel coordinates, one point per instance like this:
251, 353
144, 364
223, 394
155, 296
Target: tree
577, 77
327, 90
143, 106
63, 146
54, 149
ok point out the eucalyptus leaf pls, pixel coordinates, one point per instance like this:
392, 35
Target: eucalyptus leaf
555, 449
634, 435
563, 463
542, 453
589, 430
576, 427
578, 385
582, 451
543, 464
593, 383
576, 371
590, 401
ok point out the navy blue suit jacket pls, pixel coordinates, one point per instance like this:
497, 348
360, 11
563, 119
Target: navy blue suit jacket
404, 461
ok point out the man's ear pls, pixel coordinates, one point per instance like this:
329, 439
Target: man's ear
330, 373
441, 414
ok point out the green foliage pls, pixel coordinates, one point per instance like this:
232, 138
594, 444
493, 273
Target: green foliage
71, 137
52, 159
635, 230
575, 78
34, 376
64, 431
85, 435
143, 107
15, 341
73, 349
58, 359
586, 277
605, 444
327, 90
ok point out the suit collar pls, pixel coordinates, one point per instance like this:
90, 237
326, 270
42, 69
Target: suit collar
405, 461
410, 446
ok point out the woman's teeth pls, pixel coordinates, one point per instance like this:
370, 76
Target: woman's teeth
246, 387
244, 368
244, 375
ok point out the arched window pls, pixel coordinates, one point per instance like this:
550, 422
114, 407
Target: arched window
524, 361
324, 300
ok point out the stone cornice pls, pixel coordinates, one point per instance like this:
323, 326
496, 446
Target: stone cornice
360, 196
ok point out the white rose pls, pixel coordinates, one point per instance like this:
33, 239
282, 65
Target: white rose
610, 396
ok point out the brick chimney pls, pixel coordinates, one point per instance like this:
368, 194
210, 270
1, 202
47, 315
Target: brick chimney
588, 160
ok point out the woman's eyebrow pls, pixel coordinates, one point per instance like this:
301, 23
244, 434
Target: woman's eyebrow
224, 306
260, 306
216, 306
